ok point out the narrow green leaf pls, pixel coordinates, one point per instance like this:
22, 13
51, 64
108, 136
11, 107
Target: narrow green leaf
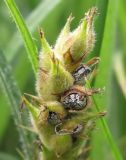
13, 95
122, 25
28, 40
102, 80
100, 24
120, 72
107, 133
118, 81
4, 115
33, 21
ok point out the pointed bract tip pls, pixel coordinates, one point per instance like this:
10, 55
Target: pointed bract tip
55, 64
91, 13
70, 18
33, 110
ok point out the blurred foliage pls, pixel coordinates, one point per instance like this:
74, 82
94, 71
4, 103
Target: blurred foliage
110, 40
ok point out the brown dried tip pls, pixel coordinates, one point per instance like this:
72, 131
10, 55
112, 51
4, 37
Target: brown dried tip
38, 143
70, 18
41, 33
53, 58
103, 113
93, 61
22, 104
91, 13
98, 90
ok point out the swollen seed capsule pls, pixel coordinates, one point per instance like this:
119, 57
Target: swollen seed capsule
74, 100
53, 118
80, 72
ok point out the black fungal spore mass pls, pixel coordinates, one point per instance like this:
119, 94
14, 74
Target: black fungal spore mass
75, 101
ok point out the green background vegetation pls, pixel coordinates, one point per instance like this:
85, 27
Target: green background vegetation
51, 15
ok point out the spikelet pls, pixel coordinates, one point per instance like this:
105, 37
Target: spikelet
61, 115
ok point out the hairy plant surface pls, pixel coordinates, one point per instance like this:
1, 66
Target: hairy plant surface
64, 100
61, 112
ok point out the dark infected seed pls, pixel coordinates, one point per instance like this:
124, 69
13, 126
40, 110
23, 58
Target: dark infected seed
75, 101
80, 72
53, 118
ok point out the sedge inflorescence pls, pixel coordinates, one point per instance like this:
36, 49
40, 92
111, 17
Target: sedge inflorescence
60, 113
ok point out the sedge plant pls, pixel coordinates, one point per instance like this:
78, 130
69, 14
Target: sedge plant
61, 112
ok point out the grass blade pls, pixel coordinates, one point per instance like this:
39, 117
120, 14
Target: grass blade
100, 25
103, 80
13, 95
33, 21
28, 40
120, 72
122, 25
107, 133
